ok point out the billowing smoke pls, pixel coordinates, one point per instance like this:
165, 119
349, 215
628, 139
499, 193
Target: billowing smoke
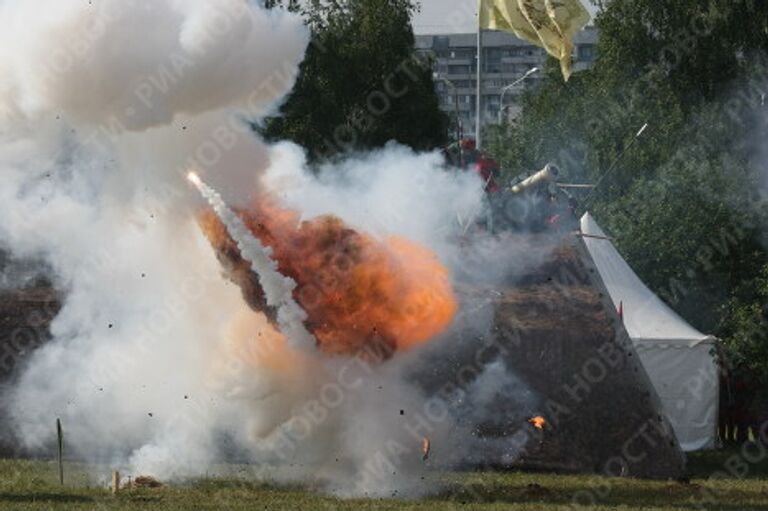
157, 365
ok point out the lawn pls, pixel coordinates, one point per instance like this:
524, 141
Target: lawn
34, 485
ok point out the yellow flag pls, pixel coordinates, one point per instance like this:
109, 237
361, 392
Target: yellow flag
550, 24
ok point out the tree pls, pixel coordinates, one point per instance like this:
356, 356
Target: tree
361, 84
746, 328
687, 202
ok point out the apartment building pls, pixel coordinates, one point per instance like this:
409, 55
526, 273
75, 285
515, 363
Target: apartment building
506, 59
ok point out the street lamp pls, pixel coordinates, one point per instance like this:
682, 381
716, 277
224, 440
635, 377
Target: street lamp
508, 87
459, 127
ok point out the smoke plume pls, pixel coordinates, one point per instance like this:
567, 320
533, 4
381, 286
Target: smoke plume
157, 365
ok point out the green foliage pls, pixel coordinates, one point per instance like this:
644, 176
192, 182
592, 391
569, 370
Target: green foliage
360, 85
687, 201
746, 325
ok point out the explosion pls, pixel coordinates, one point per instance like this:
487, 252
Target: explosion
271, 371
362, 296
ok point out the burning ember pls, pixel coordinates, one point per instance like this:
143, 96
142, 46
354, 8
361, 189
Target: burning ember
425, 448
538, 422
362, 296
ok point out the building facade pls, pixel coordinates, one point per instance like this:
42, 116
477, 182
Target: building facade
505, 60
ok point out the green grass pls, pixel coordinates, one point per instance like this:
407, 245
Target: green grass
34, 485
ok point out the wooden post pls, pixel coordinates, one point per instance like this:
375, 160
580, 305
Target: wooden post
115, 482
60, 450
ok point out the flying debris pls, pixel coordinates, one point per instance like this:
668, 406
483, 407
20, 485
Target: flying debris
426, 447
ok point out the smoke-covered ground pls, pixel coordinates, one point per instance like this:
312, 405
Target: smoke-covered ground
157, 365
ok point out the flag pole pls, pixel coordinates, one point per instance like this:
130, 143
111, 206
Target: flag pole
479, 97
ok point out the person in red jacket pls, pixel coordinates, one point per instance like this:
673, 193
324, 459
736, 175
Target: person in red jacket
487, 169
465, 155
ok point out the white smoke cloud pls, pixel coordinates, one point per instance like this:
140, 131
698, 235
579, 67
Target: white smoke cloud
156, 364
390, 191
140, 64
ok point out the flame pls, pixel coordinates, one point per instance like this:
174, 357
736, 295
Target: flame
425, 447
362, 295
538, 422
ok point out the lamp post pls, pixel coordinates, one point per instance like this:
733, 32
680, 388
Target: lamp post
479, 90
508, 87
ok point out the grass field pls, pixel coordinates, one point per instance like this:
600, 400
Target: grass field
34, 485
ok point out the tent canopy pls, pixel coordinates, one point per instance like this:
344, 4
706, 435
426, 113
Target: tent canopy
677, 357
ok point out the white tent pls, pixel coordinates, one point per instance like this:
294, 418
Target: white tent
677, 357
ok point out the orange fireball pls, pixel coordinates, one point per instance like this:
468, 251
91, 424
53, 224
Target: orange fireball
362, 295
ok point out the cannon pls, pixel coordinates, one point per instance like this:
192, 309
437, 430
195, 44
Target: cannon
545, 176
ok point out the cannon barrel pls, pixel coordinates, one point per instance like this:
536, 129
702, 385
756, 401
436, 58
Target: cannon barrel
546, 175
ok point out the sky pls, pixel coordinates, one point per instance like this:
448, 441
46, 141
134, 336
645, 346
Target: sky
449, 16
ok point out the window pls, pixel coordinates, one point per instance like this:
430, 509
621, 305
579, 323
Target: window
441, 42
492, 54
492, 62
586, 52
531, 51
458, 70
494, 83
510, 51
463, 53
